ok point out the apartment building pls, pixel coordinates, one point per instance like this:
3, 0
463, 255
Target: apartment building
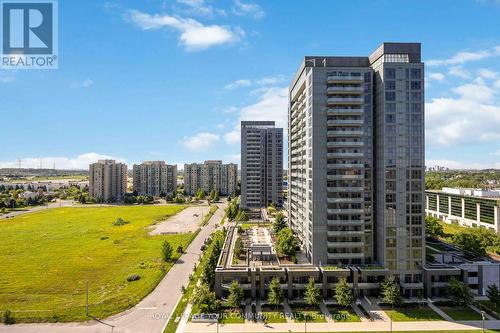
209, 176
154, 178
107, 180
356, 160
261, 164
467, 207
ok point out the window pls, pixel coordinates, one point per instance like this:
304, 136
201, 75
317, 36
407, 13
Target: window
390, 73
416, 96
390, 107
390, 96
416, 73
416, 107
416, 85
390, 85
390, 118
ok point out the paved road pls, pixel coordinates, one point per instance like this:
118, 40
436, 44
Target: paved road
58, 203
151, 314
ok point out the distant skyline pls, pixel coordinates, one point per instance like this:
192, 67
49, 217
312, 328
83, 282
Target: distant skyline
171, 80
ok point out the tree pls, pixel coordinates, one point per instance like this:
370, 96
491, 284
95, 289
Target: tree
235, 294
180, 250
7, 318
433, 227
458, 292
469, 242
275, 295
343, 293
205, 299
200, 194
493, 294
241, 216
279, 222
391, 292
238, 247
286, 243
312, 295
166, 251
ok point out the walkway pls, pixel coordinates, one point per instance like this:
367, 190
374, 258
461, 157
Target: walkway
152, 313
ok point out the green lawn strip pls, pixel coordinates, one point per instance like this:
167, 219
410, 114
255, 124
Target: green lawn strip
213, 209
302, 314
490, 305
273, 315
183, 302
413, 313
64, 248
343, 314
232, 316
461, 313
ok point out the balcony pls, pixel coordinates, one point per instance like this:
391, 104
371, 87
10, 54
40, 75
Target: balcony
345, 189
351, 154
344, 100
345, 223
345, 211
346, 255
344, 133
345, 200
344, 177
347, 122
346, 233
344, 89
345, 166
344, 78
346, 244
345, 144
344, 112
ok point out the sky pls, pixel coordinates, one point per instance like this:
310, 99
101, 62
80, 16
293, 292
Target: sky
171, 80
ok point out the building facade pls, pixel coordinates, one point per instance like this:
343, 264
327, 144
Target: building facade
261, 164
209, 176
107, 180
467, 207
154, 178
356, 160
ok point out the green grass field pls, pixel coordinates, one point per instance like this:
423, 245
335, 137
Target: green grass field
48, 256
461, 313
343, 314
413, 313
301, 315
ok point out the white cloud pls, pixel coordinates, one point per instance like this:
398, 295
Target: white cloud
248, 9
193, 34
459, 72
264, 81
83, 84
465, 56
456, 165
237, 84
201, 141
436, 76
271, 105
80, 162
496, 153
475, 91
6, 78
487, 74
201, 8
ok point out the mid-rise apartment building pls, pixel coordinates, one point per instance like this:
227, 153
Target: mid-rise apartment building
107, 180
209, 176
356, 160
467, 207
155, 178
261, 164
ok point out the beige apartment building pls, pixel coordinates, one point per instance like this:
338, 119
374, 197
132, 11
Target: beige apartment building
155, 178
107, 180
209, 176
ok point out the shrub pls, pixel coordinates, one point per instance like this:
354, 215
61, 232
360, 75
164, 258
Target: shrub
119, 221
166, 251
133, 277
8, 319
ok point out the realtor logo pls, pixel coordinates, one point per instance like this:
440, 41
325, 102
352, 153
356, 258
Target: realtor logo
29, 35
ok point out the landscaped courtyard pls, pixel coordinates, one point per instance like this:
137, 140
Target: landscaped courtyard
48, 257
412, 313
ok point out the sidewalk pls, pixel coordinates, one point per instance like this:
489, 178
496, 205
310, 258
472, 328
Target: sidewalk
343, 327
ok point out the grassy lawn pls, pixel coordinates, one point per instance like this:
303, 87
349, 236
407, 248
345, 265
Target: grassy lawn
273, 315
232, 316
48, 256
413, 313
301, 314
343, 314
461, 313
490, 305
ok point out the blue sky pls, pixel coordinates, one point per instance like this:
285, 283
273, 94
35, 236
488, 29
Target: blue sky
171, 80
